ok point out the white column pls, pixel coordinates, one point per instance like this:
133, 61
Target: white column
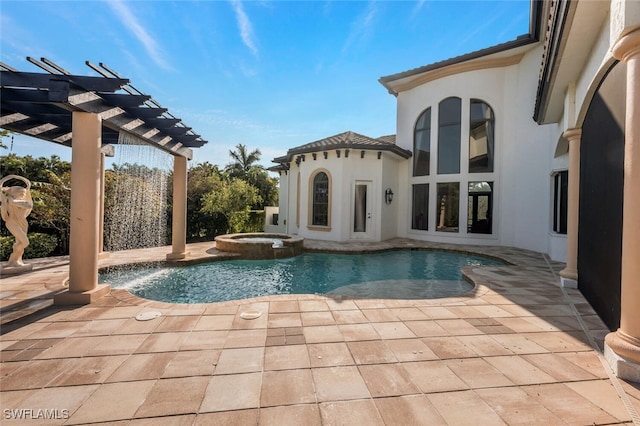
622, 348
179, 225
569, 275
85, 207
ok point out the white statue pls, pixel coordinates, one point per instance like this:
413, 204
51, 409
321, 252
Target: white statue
16, 204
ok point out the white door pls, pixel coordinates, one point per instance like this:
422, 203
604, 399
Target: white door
362, 223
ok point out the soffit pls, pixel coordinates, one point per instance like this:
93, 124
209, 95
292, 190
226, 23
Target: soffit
571, 37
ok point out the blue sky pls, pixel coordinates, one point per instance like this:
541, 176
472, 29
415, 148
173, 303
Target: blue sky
268, 74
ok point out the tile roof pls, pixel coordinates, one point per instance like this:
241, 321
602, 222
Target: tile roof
533, 36
347, 140
388, 138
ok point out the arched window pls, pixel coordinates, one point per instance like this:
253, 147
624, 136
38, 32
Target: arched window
422, 144
320, 198
481, 137
449, 136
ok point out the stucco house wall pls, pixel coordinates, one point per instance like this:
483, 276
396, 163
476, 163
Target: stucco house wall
391, 212
522, 161
349, 160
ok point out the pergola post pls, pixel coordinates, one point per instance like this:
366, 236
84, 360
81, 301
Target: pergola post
179, 222
85, 209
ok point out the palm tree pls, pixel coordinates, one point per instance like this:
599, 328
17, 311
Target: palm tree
243, 162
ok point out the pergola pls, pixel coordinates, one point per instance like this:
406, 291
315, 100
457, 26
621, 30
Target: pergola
88, 114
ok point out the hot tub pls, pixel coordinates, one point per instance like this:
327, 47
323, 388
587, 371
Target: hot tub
260, 245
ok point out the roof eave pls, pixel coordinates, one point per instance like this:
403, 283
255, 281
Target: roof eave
307, 150
569, 42
394, 86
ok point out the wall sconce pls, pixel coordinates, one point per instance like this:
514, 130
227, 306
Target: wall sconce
388, 196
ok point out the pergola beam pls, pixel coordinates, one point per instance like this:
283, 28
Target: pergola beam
41, 104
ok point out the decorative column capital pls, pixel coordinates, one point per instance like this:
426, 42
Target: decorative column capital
572, 134
627, 46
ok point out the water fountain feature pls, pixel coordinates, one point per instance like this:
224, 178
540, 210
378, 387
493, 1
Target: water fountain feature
136, 209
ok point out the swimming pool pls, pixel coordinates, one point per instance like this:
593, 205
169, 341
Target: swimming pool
402, 274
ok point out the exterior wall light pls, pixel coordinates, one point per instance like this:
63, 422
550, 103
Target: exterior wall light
388, 196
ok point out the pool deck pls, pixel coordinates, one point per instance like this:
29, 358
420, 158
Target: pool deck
517, 350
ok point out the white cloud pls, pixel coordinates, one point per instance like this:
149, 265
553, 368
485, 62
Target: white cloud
133, 25
245, 27
362, 27
417, 8
481, 29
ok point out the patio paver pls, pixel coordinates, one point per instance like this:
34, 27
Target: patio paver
516, 350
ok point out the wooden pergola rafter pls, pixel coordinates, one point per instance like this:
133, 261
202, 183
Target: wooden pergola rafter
40, 105
89, 114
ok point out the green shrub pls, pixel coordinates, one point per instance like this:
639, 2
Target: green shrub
256, 221
40, 245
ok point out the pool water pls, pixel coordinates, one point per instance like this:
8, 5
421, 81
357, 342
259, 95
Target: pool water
410, 274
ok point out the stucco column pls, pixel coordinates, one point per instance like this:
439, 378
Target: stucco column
85, 208
569, 275
622, 348
179, 225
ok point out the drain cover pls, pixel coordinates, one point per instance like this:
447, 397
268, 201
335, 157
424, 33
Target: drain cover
149, 315
249, 315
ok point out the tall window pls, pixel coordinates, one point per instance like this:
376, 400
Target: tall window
320, 200
480, 137
479, 208
449, 136
422, 144
452, 179
448, 207
298, 200
560, 197
420, 211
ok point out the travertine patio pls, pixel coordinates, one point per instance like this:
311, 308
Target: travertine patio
519, 350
